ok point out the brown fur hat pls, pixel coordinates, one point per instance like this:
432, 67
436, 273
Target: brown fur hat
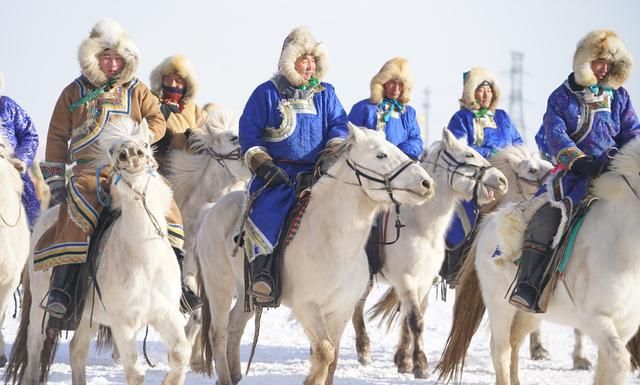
602, 44
180, 65
396, 68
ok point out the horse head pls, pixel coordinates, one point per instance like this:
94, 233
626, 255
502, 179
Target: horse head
126, 146
525, 170
467, 172
383, 171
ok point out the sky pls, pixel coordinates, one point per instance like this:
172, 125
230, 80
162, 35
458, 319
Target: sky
235, 45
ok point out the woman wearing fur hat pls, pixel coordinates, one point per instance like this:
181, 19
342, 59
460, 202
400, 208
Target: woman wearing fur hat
18, 131
387, 109
486, 129
587, 117
286, 122
107, 88
175, 84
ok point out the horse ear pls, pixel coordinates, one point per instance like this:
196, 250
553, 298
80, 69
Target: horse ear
357, 133
448, 138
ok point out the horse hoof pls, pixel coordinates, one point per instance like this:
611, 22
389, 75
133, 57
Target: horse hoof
420, 373
539, 353
364, 359
3, 361
404, 369
581, 363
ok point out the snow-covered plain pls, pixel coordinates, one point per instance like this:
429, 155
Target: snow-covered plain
282, 355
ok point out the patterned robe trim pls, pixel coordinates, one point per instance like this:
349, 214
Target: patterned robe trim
52, 171
80, 211
289, 108
590, 104
479, 125
175, 234
116, 101
567, 156
381, 124
251, 152
256, 243
60, 254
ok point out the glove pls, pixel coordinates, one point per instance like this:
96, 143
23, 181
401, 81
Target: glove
589, 166
272, 175
58, 192
19, 165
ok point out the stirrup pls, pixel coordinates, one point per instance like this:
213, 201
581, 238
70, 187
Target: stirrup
189, 301
261, 288
50, 307
521, 302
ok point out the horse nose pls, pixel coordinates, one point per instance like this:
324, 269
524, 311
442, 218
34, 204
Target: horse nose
426, 184
502, 180
122, 156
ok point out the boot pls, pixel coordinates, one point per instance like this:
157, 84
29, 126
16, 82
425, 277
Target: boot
189, 300
262, 283
58, 299
533, 263
454, 259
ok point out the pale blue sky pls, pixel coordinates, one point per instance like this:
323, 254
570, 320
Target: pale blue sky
235, 45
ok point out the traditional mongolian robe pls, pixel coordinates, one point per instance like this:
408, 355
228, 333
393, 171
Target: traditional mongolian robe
72, 138
399, 124
486, 132
582, 121
18, 130
292, 131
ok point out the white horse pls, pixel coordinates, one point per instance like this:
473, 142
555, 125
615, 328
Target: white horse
138, 274
14, 233
411, 265
597, 294
324, 269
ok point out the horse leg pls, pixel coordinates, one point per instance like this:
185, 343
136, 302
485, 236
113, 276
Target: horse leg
536, 350
220, 296
500, 323
580, 361
335, 325
322, 348
172, 333
402, 357
238, 319
523, 324
362, 338
35, 339
613, 358
125, 339
5, 295
193, 330
416, 324
79, 349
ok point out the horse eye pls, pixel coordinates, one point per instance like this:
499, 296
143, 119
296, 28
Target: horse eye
468, 155
234, 138
146, 145
381, 155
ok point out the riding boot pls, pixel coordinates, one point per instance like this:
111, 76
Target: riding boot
454, 259
262, 282
58, 298
536, 255
189, 300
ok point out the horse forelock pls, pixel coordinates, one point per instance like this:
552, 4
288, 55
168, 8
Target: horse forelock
509, 155
117, 132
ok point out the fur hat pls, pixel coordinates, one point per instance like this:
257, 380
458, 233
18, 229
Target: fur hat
300, 42
396, 68
107, 34
180, 65
472, 80
602, 44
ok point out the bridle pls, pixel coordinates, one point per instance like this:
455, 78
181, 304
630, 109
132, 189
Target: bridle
221, 158
520, 180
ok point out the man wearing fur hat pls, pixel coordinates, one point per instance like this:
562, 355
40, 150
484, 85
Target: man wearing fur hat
486, 129
286, 122
106, 89
175, 84
587, 117
18, 131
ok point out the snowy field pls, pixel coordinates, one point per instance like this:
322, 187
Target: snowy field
282, 354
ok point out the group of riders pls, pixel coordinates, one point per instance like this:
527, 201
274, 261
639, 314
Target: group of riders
286, 124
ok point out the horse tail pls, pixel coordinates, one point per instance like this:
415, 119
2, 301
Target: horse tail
387, 308
205, 339
467, 314
19, 353
633, 346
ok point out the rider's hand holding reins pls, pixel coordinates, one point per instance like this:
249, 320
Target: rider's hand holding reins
589, 166
272, 175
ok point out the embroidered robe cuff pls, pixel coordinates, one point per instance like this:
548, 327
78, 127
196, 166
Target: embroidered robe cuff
567, 156
255, 156
52, 171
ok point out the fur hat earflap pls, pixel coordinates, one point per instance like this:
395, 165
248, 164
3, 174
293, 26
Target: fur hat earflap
396, 68
107, 34
472, 80
180, 65
602, 44
298, 43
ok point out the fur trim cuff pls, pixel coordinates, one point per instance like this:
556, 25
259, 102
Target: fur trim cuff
602, 44
472, 80
300, 42
396, 68
182, 66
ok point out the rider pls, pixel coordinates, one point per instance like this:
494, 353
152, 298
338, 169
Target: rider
286, 122
387, 110
175, 84
107, 87
586, 116
486, 129
18, 130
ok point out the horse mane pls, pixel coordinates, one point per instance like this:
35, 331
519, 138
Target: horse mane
625, 163
220, 120
118, 129
511, 154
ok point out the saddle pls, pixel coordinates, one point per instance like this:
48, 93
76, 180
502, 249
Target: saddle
83, 275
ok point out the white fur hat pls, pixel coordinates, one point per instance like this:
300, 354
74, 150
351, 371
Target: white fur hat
602, 44
180, 65
300, 42
107, 34
396, 68
472, 80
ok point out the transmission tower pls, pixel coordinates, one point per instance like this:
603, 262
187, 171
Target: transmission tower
516, 103
426, 105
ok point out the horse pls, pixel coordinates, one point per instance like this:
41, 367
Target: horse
595, 293
412, 264
211, 169
138, 275
14, 232
324, 267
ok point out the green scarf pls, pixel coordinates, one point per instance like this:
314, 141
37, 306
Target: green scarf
481, 113
391, 104
93, 94
312, 83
